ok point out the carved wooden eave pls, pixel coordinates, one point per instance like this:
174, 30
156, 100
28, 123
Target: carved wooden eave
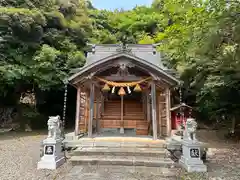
156, 72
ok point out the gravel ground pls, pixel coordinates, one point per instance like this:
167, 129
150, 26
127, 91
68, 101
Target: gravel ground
19, 154
223, 158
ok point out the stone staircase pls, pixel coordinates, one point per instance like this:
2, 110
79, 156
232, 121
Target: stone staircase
121, 153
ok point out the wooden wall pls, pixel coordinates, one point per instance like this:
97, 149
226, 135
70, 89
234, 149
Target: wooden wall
163, 112
162, 109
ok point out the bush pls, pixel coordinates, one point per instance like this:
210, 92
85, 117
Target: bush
32, 117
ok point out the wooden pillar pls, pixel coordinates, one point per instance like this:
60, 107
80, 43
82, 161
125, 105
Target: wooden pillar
148, 108
91, 112
122, 120
144, 106
154, 117
102, 104
160, 108
78, 104
168, 106
98, 115
143, 103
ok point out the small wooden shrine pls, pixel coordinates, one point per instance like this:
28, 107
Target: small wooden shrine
123, 87
179, 115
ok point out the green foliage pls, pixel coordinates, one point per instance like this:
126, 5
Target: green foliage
41, 40
203, 43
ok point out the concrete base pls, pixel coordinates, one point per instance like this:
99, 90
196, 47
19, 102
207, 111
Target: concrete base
51, 164
174, 143
53, 156
191, 157
191, 167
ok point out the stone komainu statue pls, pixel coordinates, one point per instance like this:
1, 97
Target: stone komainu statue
190, 129
54, 130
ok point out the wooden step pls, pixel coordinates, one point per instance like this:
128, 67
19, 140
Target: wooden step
124, 112
133, 106
142, 132
113, 123
117, 112
142, 123
118, 117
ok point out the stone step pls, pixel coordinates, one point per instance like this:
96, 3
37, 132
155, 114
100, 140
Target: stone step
123, 161
95, 172
92, 151
79, 143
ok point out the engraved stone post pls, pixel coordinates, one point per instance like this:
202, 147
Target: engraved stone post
191, 157
53, 156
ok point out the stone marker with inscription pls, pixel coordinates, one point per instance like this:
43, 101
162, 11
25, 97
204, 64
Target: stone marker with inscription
53, 156
191, 156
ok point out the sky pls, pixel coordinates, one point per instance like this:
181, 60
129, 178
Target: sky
118, 4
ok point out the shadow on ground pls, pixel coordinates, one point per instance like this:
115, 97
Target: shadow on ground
19, 134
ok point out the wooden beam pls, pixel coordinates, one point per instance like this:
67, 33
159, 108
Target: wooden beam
168, 106
91, 112
77, 111
129, 78
154, 116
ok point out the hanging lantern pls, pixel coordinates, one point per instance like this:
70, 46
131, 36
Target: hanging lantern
106, 87
121, 92
129, 90
113, 90
137, 88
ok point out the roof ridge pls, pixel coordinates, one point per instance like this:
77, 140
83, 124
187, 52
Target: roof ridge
113, 45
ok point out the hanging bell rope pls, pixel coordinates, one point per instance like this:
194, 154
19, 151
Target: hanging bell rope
64, 109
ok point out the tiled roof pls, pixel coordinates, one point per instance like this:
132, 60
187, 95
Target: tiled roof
144, 54
141, 51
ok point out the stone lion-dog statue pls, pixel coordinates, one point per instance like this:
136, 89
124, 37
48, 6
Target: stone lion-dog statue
54, 130
190, 129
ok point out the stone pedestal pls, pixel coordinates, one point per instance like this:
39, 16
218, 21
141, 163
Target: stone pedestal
191, 157
53, 156
121, 130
